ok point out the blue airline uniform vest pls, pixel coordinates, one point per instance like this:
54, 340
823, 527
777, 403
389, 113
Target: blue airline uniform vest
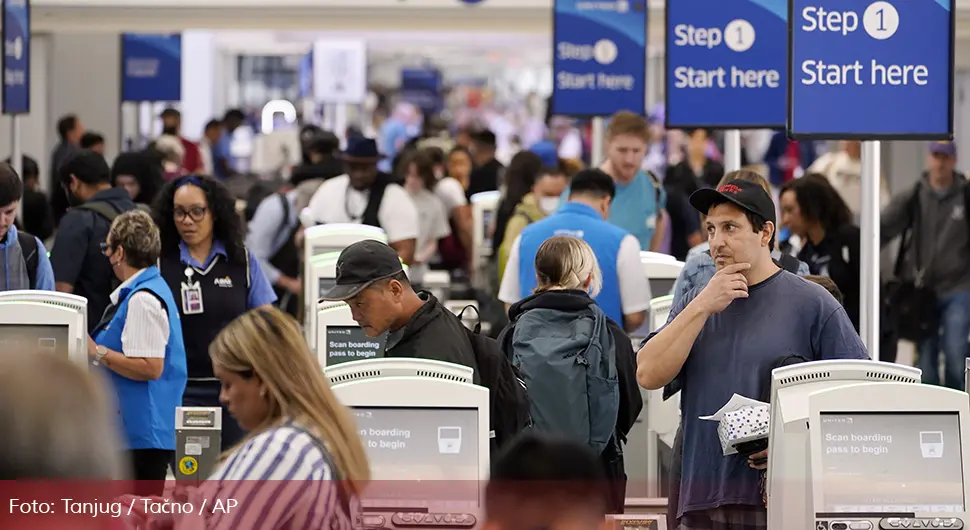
578, 220
147, 408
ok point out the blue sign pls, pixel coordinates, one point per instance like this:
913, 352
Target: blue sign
871, 69
15, 64
422, 87
306, 75
600, 57
726, 64
151, 67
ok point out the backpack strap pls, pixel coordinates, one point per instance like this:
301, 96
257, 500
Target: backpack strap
248, 281
478, 317
29, 249
370, 216
101, 208
789, 263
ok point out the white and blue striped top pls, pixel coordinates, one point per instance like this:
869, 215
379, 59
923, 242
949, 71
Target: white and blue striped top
282, 478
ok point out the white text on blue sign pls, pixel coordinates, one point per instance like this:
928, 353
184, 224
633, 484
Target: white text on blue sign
603, 52
869, 73
687, 35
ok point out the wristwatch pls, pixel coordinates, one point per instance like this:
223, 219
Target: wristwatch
101, 352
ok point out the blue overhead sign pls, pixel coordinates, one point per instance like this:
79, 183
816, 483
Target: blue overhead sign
599, 57
726, 63
423, 88
871, 69
15, 63
151, 67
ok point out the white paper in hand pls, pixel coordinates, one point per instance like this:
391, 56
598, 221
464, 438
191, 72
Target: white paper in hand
739, 409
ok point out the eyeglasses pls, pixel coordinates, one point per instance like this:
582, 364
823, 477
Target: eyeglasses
196, 213
107, 248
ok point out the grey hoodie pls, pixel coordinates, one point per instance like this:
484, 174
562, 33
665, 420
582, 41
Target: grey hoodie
941, 230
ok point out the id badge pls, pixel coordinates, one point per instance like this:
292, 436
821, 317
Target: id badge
192, 299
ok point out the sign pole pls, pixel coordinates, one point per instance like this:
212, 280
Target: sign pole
869, 306
17, 157
599, 142
732, 150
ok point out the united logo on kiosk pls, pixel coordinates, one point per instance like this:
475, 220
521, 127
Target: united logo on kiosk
188, 466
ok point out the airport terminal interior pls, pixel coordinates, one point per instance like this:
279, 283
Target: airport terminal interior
251, 94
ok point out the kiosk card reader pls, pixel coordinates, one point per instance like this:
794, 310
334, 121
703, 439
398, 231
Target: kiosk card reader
887, 456
198, 442
790, 475
340, 339
427, 440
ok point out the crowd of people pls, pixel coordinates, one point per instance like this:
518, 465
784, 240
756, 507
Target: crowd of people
192, 298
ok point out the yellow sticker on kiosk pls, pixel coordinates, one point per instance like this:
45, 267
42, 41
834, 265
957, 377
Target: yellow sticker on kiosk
188, 466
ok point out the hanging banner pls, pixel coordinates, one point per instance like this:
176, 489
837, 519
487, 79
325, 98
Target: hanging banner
422, 87
15, 64
340, 72
599, 57
871, 70
151, 67
726, 64
306, 75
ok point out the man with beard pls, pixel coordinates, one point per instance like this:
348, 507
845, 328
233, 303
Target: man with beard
76, 257
366, 196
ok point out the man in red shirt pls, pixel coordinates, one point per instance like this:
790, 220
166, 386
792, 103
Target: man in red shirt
172, 124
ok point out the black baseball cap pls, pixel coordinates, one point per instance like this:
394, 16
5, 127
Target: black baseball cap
748, 196
359, 266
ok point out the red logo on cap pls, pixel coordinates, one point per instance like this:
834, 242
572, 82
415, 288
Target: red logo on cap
733, 189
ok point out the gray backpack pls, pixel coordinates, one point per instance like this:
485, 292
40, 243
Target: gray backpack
568, 363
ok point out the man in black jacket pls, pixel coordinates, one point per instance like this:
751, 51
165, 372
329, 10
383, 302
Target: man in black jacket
371, 280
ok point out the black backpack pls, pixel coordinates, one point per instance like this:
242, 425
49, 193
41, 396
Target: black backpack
509, 407
789, 263
30, 250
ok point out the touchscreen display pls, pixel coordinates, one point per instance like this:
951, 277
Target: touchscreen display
35, 337
421, 454
325, 285
881, 463
350, 343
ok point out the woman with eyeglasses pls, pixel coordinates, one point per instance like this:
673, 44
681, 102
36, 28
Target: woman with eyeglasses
139, 344
211, 273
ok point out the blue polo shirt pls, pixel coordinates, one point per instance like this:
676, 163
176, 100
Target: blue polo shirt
577, 220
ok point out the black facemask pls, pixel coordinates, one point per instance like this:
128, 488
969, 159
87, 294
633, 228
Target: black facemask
170, 130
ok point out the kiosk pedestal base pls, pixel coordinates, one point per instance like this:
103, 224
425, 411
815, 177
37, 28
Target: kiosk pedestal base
198, 442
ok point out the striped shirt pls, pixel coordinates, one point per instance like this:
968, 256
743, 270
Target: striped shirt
282, 478
145, 334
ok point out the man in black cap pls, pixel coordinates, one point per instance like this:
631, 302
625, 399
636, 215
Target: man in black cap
366, 196
725, 338
372, 281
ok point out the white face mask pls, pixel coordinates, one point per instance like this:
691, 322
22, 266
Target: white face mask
548, 204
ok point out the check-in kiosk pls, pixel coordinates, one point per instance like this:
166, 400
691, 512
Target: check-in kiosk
427, 440
484, 206
340, 339
46, 322
437, 283
661, 271
887, 455
321, 278
790, 477
651, 439
329, 239
198, 442
397, 367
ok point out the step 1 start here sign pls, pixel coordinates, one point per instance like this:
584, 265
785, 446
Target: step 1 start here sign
871, 69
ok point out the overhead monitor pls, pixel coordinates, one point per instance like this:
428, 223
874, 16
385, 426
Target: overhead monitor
71, 301
427, 441
340, 339
483, 211
789, 474
888, 452
47, 328
397, 367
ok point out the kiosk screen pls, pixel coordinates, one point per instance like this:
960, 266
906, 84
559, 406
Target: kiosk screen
46, 338
891, 462
422, 453
350, 343
325, 285
486, 224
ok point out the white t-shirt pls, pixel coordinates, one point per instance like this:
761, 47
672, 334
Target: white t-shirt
451, 193
432, 226
336, 202
634, 288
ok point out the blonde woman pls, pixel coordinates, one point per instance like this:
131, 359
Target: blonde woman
561, 325
301, 462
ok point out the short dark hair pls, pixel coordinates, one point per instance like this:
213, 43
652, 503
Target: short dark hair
89, 167
170, 113
819, 201
592, 182
436, 154
484, 137
538, 479
234, 115
28, 167
65, 125
91, 139
11, 187
323, 143
707, 132
213, 124
422, 164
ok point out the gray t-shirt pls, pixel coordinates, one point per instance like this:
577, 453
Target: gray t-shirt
733, 354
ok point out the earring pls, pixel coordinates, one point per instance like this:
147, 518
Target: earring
262, 393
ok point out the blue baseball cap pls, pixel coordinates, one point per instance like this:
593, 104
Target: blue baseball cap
547, 152
943, 148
